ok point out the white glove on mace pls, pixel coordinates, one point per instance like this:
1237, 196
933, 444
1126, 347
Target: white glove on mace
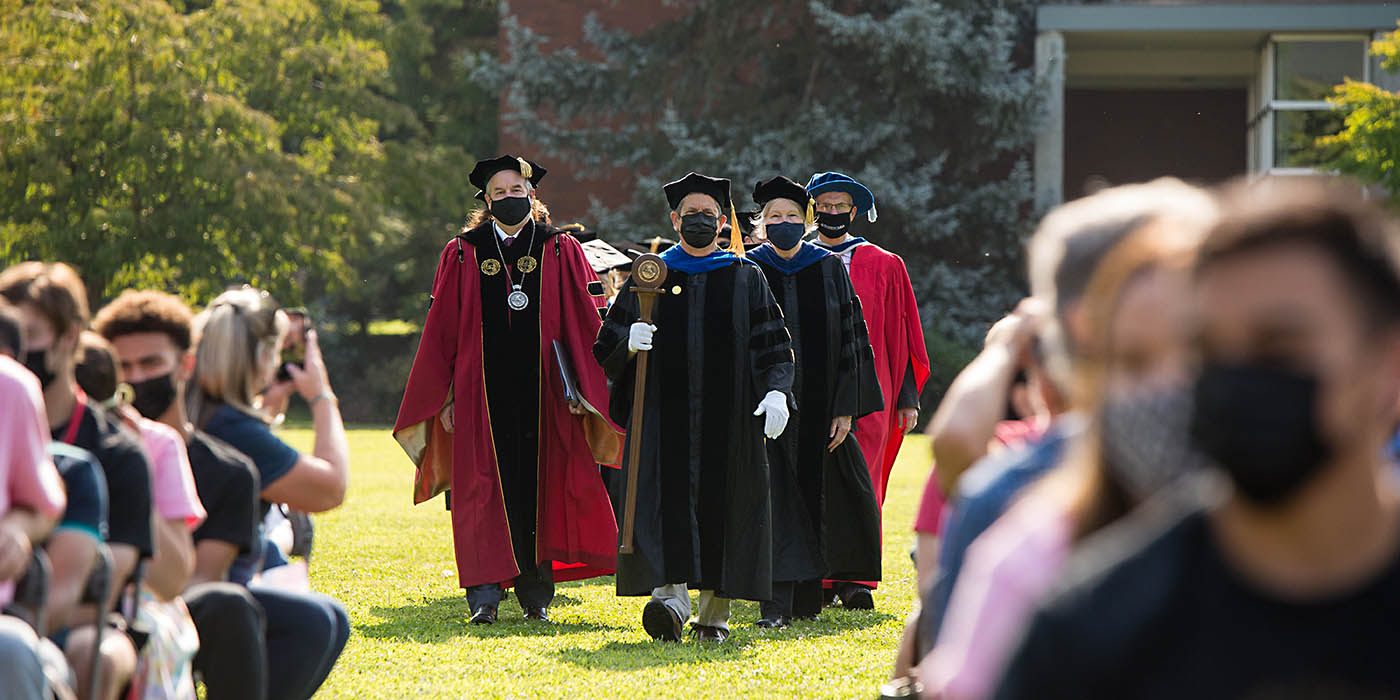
774, 410
639, 337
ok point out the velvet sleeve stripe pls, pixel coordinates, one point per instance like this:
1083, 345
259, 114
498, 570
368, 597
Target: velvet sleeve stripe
773, 357
770, 338
765, 314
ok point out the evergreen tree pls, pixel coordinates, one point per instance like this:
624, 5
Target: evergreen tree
932, 105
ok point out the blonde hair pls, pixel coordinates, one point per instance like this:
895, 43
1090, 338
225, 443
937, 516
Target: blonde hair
760, 219
238, 337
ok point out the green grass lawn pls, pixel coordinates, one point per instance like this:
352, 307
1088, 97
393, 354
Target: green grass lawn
391, 564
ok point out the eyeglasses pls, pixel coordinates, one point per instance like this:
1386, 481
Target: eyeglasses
838, 208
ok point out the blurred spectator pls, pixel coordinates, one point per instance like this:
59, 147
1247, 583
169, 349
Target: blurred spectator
1063, 253
164, 667
1134, 382
53, 302
31, 500
1283, 587
264, 643
11, 331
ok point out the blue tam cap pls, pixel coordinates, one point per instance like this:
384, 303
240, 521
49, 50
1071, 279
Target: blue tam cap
839, 182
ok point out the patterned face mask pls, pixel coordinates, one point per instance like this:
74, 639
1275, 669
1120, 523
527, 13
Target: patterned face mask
1146, 442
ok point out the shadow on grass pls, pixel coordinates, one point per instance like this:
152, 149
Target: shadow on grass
634, 656
442, 620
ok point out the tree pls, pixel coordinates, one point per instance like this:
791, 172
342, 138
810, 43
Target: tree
165, 146
931, 105
1368, 146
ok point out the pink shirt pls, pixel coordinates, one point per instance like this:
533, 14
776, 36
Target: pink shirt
933, 505
26, 470
1007, 571
172, 482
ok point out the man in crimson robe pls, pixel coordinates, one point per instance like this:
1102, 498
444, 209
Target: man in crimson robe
505, 406
896, 334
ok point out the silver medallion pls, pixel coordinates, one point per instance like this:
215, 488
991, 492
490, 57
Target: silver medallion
518, 300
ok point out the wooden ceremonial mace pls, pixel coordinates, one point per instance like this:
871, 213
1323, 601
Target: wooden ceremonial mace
648, 274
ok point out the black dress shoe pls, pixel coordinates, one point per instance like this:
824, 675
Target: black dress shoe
661, 622
856, 597
538, 614
776, 622
706, 633
484, 615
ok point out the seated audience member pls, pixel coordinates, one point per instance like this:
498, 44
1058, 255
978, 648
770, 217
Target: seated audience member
53, 302
1133, 377
171, 640
299, 636
1063, 253
73, 551
31, 500
1284, 585
1001, 400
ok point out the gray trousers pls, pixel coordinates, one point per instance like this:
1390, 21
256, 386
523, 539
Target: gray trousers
534, 588
713, 610
19, 657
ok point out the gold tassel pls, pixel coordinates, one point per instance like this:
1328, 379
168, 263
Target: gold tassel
736, 233
811, 216
525, 170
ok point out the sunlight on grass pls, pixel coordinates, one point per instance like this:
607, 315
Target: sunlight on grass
391, 564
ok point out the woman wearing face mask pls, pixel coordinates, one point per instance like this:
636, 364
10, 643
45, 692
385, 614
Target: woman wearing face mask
1135, 381
825, 520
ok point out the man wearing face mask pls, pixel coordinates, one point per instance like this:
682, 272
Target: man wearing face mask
718, 349
896, 334
1285, 586
825, 520
484, 415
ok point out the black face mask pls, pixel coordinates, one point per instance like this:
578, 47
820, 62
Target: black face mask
833, 225
1259, 423
511, 210
153, 396
36, 361
699, 230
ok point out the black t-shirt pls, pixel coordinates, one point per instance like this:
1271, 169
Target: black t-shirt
228, 487
86, 489
127, 469
1157, 612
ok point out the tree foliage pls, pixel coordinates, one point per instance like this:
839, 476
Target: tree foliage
1368, 146
932, 105
306, 146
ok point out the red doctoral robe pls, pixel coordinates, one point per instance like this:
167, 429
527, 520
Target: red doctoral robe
575, 527
897, 339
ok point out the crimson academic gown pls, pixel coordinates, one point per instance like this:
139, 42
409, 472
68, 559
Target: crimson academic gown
897, 340
574, 525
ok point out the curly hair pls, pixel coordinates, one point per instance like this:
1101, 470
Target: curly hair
145, 311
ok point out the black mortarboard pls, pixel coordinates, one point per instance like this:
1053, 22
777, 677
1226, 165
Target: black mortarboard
486, 169
715, 187
746, 222
779, 187
603, 257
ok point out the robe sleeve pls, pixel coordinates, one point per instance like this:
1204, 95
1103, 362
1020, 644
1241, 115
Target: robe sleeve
430, 382
770, 344
858, 391
916, 370
610, 349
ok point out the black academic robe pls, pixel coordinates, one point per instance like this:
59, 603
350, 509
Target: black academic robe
826, 523
702, 491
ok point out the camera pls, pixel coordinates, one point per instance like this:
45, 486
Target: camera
294, 345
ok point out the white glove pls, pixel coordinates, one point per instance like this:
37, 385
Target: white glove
639, 338
774, 410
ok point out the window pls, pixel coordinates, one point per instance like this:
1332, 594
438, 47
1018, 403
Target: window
1297, 74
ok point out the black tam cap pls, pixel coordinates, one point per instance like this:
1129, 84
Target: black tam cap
765, 191
486, 169
715, 187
